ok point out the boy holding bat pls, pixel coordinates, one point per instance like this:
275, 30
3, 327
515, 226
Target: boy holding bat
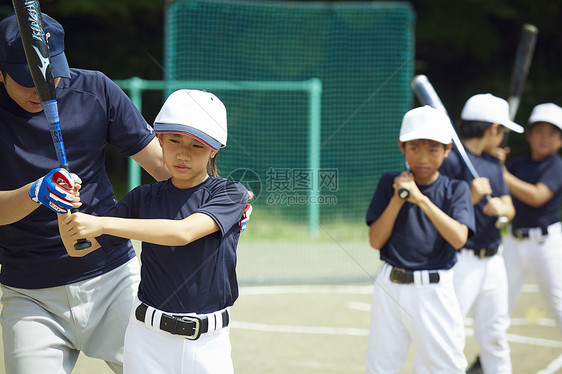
535, 182
55, 306
480, 277
414, 298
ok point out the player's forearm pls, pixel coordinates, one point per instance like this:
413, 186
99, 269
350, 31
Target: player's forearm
16, 205
381, 229
534, 195
69, 242
454, 232
159, 231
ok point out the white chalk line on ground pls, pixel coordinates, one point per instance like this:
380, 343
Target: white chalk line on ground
330, 289
543, 322
553, 367
324, 289
339, 331
309, 330
305, 289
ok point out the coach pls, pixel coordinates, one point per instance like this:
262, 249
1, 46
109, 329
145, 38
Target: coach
55, 306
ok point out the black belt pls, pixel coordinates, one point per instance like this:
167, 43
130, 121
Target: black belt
186, 326
524, 233
484, 252
403, 276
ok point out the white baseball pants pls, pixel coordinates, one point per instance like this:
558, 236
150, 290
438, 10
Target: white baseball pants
428, 315
540, 256
481, 288
149, 350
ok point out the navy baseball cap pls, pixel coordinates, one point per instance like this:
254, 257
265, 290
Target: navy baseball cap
12, 54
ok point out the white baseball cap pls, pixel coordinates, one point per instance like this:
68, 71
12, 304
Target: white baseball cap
489, 108
549, 112
198, 114
426, 123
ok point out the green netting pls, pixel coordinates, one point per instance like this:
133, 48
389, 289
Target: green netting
362, 53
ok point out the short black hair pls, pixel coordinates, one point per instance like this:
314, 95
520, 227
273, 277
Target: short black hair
473, 129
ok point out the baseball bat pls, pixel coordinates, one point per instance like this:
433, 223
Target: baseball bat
523, 59
521, 65
30, 23
426, 95
404, 192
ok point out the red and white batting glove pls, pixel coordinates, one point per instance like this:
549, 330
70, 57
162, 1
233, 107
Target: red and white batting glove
48, 191
245, 217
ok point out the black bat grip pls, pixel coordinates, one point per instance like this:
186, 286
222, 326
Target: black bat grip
81, 244
403, 193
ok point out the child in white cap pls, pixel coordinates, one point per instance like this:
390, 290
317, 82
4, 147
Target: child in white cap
535, 181
189, 230
414, 299
480, 276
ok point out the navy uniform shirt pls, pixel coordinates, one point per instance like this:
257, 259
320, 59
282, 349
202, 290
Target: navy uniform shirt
549, 172
199, 277
93, 111
415, 243
487, 166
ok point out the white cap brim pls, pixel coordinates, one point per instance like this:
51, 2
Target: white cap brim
189, 131
417, 135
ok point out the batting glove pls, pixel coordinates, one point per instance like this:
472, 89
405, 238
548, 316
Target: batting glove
245, 217
47, 190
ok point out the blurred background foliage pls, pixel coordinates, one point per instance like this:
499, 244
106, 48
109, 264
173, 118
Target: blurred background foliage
464, 47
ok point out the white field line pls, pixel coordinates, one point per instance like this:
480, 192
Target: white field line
553, 367
530, 288
263, 327
289, 290
324, 289
339, 331
544, 322
318, 330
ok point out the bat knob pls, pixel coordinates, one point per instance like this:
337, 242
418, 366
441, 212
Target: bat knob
82, 244
403, 193
501, 222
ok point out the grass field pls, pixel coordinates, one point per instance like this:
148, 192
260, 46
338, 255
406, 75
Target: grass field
323, 328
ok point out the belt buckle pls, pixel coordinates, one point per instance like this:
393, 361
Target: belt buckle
197, 327
397, 275
518, 234
482, 253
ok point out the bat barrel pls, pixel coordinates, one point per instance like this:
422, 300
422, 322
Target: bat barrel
426, 94
30, 23
32, 32
521, 66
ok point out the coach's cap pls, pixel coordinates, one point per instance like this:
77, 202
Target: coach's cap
426, 123
549, 112
489, 108
198, 114
12, 54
